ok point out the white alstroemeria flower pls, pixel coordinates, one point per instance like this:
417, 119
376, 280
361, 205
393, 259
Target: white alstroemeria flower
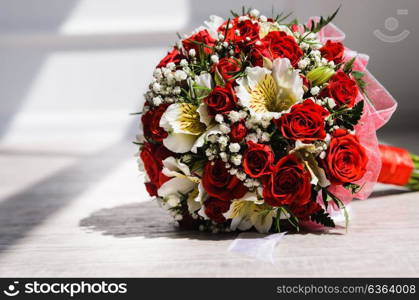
173, 167
176, 186
266, 27
203, 81
204, 137
307, 153
213, 24
269, 93
246, 212
182, 122
181, 182
196, 200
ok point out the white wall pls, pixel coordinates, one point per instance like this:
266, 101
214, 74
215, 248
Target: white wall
83, 64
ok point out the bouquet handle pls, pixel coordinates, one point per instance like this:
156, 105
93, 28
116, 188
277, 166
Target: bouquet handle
399, 167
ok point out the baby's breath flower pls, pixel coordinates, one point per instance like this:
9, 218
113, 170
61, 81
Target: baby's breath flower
215, 59
234, 147
315, 90
180, 75
219, 118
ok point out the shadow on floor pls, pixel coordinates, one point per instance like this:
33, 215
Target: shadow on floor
146, 219
389, 192
143, 219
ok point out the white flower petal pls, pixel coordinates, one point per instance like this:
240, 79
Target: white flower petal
194, 199
169, 119
174, 186
172, 167
254, 75
205, 80
287, 79
179, 142
245, 224
203, 137
203, 114
213, 24
264, 223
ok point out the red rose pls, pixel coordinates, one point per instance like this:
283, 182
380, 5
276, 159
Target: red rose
306, 83
248, 31
227, 67
219, 183
342, 89
276, 44
151, 123
152, 156
214, 209
221, 100
333, 51
238, 132
201, 37
288, 184
303, 212
304, 122
346, 160
257, 159
173, 56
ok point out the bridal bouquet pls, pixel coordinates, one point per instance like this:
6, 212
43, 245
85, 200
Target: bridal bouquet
258, 122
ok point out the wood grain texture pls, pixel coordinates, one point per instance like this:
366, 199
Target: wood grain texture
88, 219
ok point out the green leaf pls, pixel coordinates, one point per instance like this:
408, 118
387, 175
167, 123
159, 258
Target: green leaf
226, 29
348, 118
347, 68
292, 220
234, 14
219, 80
352, 187
341, 205
316, 27
280, 18
359, 81
357, 74
325, 198
323, 218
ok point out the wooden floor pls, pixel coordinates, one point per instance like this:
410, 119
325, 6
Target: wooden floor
87, 214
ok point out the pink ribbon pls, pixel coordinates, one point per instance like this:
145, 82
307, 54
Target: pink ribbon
378, 109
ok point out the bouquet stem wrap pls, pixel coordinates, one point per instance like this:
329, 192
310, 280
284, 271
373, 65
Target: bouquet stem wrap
399, 167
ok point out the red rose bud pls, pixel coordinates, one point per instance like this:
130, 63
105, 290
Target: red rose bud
304, 122
257, 159
342, 89
219, 183
152, 156
221, 100
238, 132
303, 212
215, 208
227, 67
274, 45
151, 123
306, 84
173, 56
288, 184
296, 28
248, 32
202, 37
346, 159
333, 51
